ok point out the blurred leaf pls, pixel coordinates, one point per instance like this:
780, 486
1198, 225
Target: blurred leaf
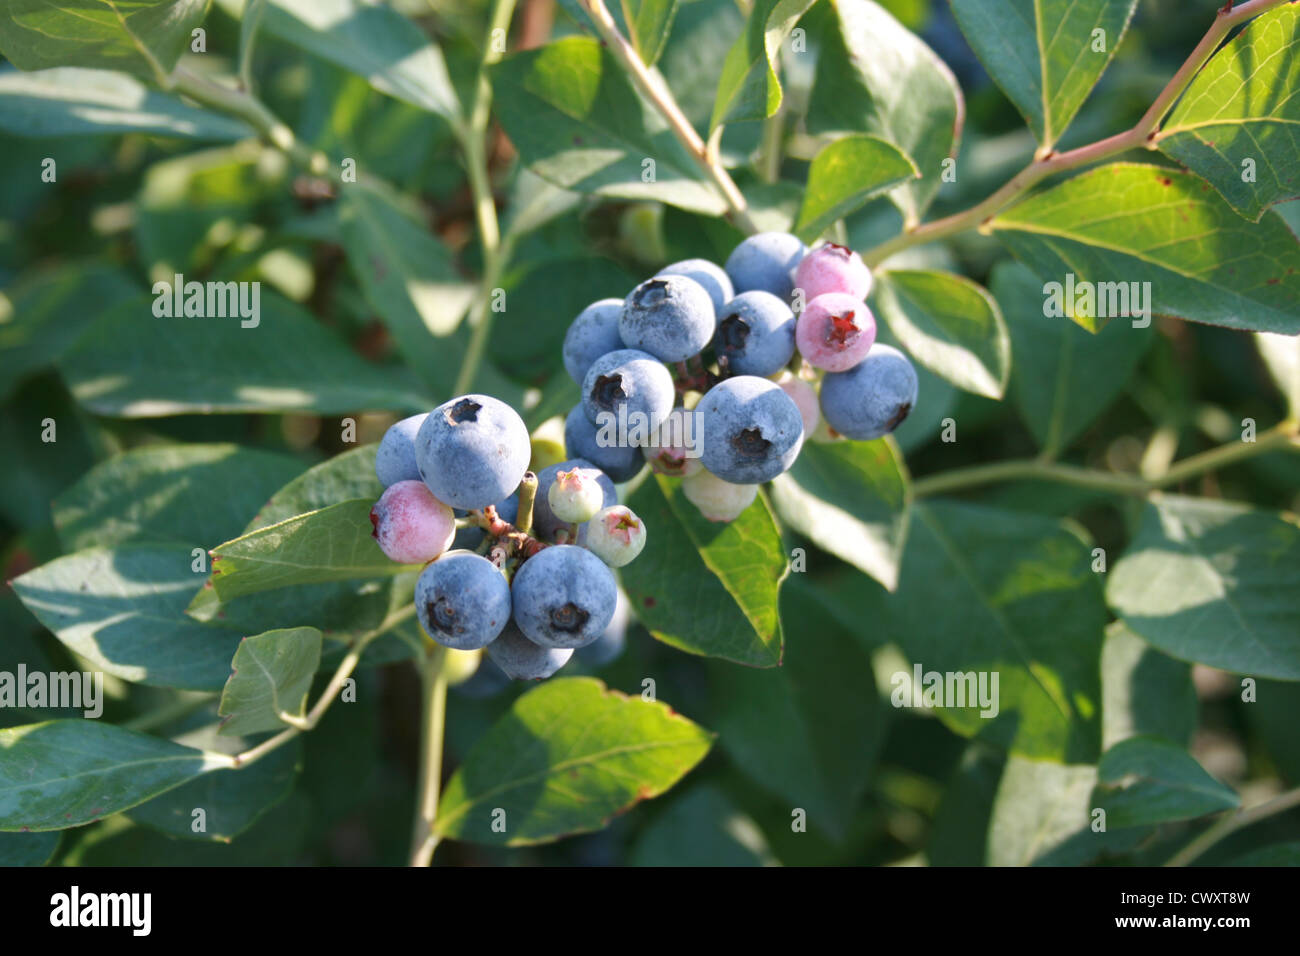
144, 37
196, 492
851, 499
874, 76
701, 828
949, 324
533, 203
844, 175
347, 475
567, 756
1143, 692
372, 40
231, 800
1149, 224
810, 730
68, 101
1063, 376
749, 88
123, 609
1042, 53
333, 544
66, 773
1214, 582
985, 591
27, 849
1281, 354
645, 22
704, 587
1145, 780
576, 120
1041, 816
48, 443
49, 310
288, 362
409, 279
1240, 113
1280, 854
960, 832
692, 63
270, 675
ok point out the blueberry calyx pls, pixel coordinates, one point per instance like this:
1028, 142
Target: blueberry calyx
842, 330
569, 618
750, 443
733, 331
650, 293
608, 391
900, 413
442, 614
466, 410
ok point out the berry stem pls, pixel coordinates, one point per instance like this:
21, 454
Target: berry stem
433, 684
1284, 436
657, 92
527, 496
1143, 134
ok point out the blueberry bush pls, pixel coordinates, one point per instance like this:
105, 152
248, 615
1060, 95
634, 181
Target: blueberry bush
862, 432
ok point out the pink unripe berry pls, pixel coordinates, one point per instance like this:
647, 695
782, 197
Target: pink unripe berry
410, 524
832, 268
805, 399
835, 332
717, 500
616, 535
575, 495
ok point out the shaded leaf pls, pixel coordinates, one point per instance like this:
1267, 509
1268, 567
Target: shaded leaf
844, 175
749, 88
270, 675
1145, 780
1143, 692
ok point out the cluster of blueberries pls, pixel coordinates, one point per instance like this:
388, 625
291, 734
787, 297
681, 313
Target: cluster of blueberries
527, 574
718, 374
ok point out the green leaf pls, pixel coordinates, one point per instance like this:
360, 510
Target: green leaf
773, 723
1241, 114
646, 23
1281, 353
288, 362
567, 756
1064, 376
874, 76
851, 499
749, 88
702, 828
66, 773
1041, 815
844, 175
949, 324
1215, 583
347, 475
1042, 53
270, 675
47, 312
959, 834
705, 587
27, 849
408, 278
333, 544
1128, 223
1143, 692
1143, 781
369, 39
123, 610
231, 800
988, 591
141, 37
1280, 854
197, 493
576, 120
70, 101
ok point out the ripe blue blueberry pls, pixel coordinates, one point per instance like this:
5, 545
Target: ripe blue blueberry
609, 646
671, 317
582, 439
766, 262
633, 386
592, 334
462, 600
395, 459
710, 275
752, 430
872, 398
755, 334
521, 659
563, 596
472, 451
545, 523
